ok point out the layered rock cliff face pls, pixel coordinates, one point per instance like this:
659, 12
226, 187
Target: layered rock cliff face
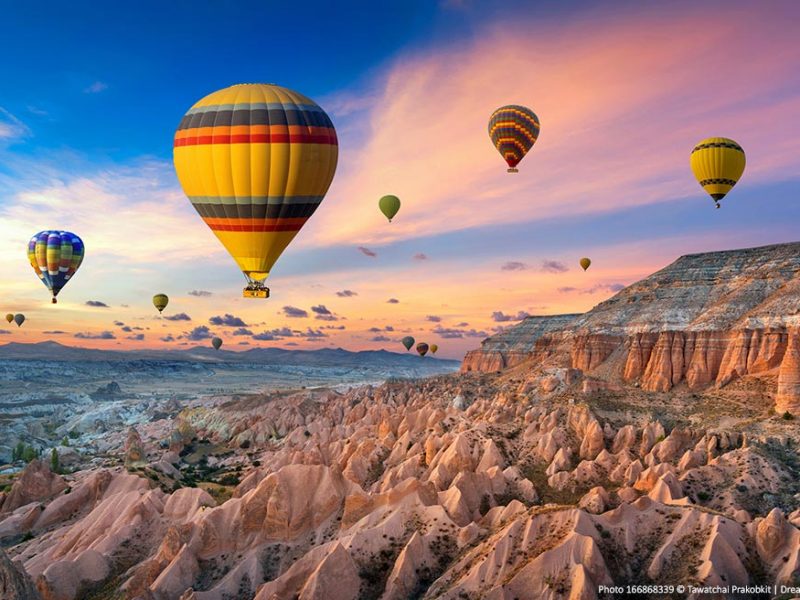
513, 345
706, 319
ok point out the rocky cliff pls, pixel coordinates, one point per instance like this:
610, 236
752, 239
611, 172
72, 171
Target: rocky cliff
706, 319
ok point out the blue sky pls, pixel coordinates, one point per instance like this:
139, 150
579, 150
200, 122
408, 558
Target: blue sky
91, 98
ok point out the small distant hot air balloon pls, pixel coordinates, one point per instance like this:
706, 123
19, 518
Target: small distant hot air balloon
407, 341
389, 206
19, 319
585, 262
422, 348
255, 161
9, 317
55, 256
434, 348
513, 130
216, 342
160, 301
717, 163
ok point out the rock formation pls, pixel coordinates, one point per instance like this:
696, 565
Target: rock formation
705, 320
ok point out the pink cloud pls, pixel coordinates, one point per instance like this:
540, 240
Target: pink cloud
622, 102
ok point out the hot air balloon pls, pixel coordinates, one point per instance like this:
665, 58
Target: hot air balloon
216, 342
513, 130
585, 262
160, 301
717, 163
255, 160
19, 319
55, 256
389, 206
407, 341
422, 348
434, 348
9, 317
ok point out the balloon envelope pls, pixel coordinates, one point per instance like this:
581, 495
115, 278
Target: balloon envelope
255, 161
513, 130
216, 342
389, 206
717, 163
19, 319
434, 348
407, 341
55, 257
422, 348
160, 301
9, 317
585, 262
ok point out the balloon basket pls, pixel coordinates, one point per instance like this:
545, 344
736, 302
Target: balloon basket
513, 170
55, 301
255, 292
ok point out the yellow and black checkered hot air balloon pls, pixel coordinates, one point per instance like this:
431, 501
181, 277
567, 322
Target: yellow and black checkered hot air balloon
718, 163
256, 161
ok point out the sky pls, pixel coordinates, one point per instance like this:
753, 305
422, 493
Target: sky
90, 99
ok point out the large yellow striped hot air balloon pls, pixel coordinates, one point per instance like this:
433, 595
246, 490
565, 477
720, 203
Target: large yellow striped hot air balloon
717, 163
256, 161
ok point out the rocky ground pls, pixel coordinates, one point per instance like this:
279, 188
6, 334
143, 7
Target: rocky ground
532, 483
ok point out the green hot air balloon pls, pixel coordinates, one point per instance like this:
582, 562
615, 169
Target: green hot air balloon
407, 341
422, 348
434, 348
160, 301
9, 317
19, 319
389, 206
216, 342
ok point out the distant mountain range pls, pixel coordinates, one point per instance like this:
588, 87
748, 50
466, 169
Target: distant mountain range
272, 356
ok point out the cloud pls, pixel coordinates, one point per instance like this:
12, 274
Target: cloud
380, 338
200, 332
11, 128
453, 333
420, 256
294, 312
346, 294
500, 317
103, 335
6, 332
126, 328
227, 320
600, 287
200, 293
336, 327
96, 88
242, 331
136, 336
433, 319
393, 301
323, 313
463, 324
274, 334
367, 252
167, 338
553, 266
245, 343
513, 266
54, 332
119, 323
389, 328
178, 317
311, 334
96, 304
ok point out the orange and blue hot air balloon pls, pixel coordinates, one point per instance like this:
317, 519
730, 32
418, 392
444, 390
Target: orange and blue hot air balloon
513, 130
55, 257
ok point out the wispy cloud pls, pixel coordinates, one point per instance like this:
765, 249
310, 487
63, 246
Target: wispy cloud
554, 266
514, 266
227, 320
96, 88
200, 293
96, 304
178, 317
393, 301
367, 252
500, 317
420, 256
11, 128
103, 335
346, 294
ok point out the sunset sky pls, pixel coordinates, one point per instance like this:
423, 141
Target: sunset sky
90, 99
